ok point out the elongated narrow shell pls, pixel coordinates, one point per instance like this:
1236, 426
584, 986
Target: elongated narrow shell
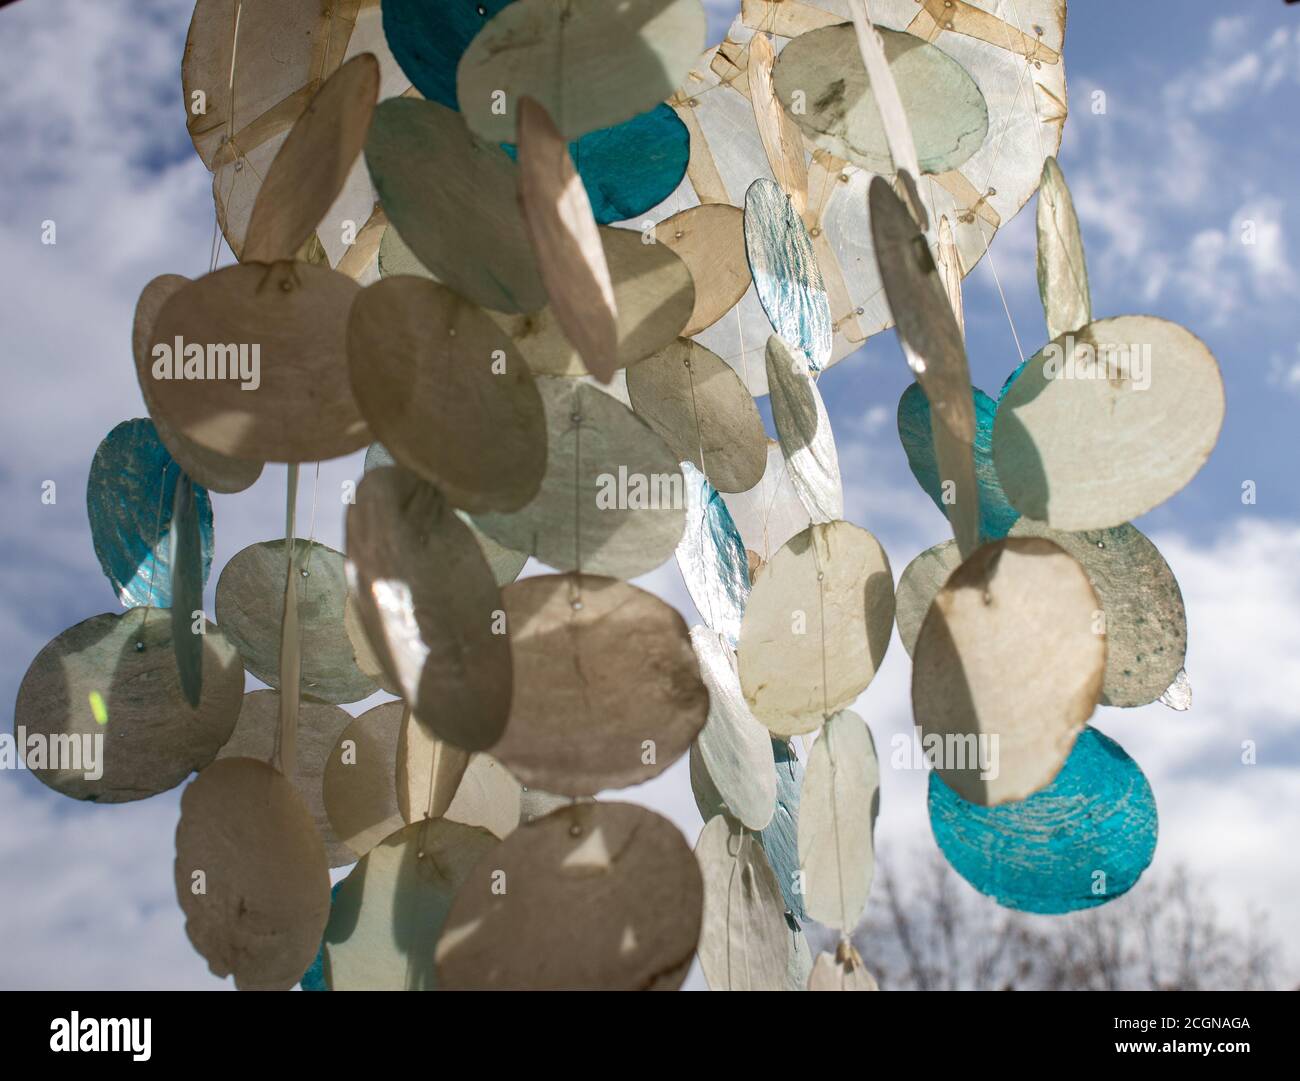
250, 608
431, 608
1062, 269
446, 391
710, 239
251, 362
388, 913
816, 627
805, 430
152, 739
945, 110
320, 726
612, 501
703, 412
1089, 405
597, 896
922, 312
1082, 841
251, 875
743, 943
213, 471
782, 142
1146, 624
312, 166
592, 65
453, 199
786, 274
712, 558
580, 645
780, 837
837, 818
735, 751
1008, 668
189, 570
557, 214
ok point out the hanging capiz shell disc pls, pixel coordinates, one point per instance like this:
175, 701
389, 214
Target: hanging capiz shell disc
431, 608
580, 642
598, 896
129, 499
251, 362
250, 608
101, 714
251, 875
1078, 843
816, 627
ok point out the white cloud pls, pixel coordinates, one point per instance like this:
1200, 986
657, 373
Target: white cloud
1285, 373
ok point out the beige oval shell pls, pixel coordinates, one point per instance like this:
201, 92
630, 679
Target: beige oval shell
698, 404
213, 471
744, 941
710, 240
251, 875
447, 393
816, 627
607, 688
838, 804
358, 785
279, 335
1008, 668
597, 896
312, 166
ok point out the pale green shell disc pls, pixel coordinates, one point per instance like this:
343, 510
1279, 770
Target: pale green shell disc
250, 607
917, 587
388, 913
591, 63
822, 71
453, 200
151, 738
613, 498
1106, 424
1146, 623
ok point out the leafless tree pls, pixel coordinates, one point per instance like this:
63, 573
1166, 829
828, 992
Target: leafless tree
930, 931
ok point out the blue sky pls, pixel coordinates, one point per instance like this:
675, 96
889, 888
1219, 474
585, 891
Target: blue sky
1197, 139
